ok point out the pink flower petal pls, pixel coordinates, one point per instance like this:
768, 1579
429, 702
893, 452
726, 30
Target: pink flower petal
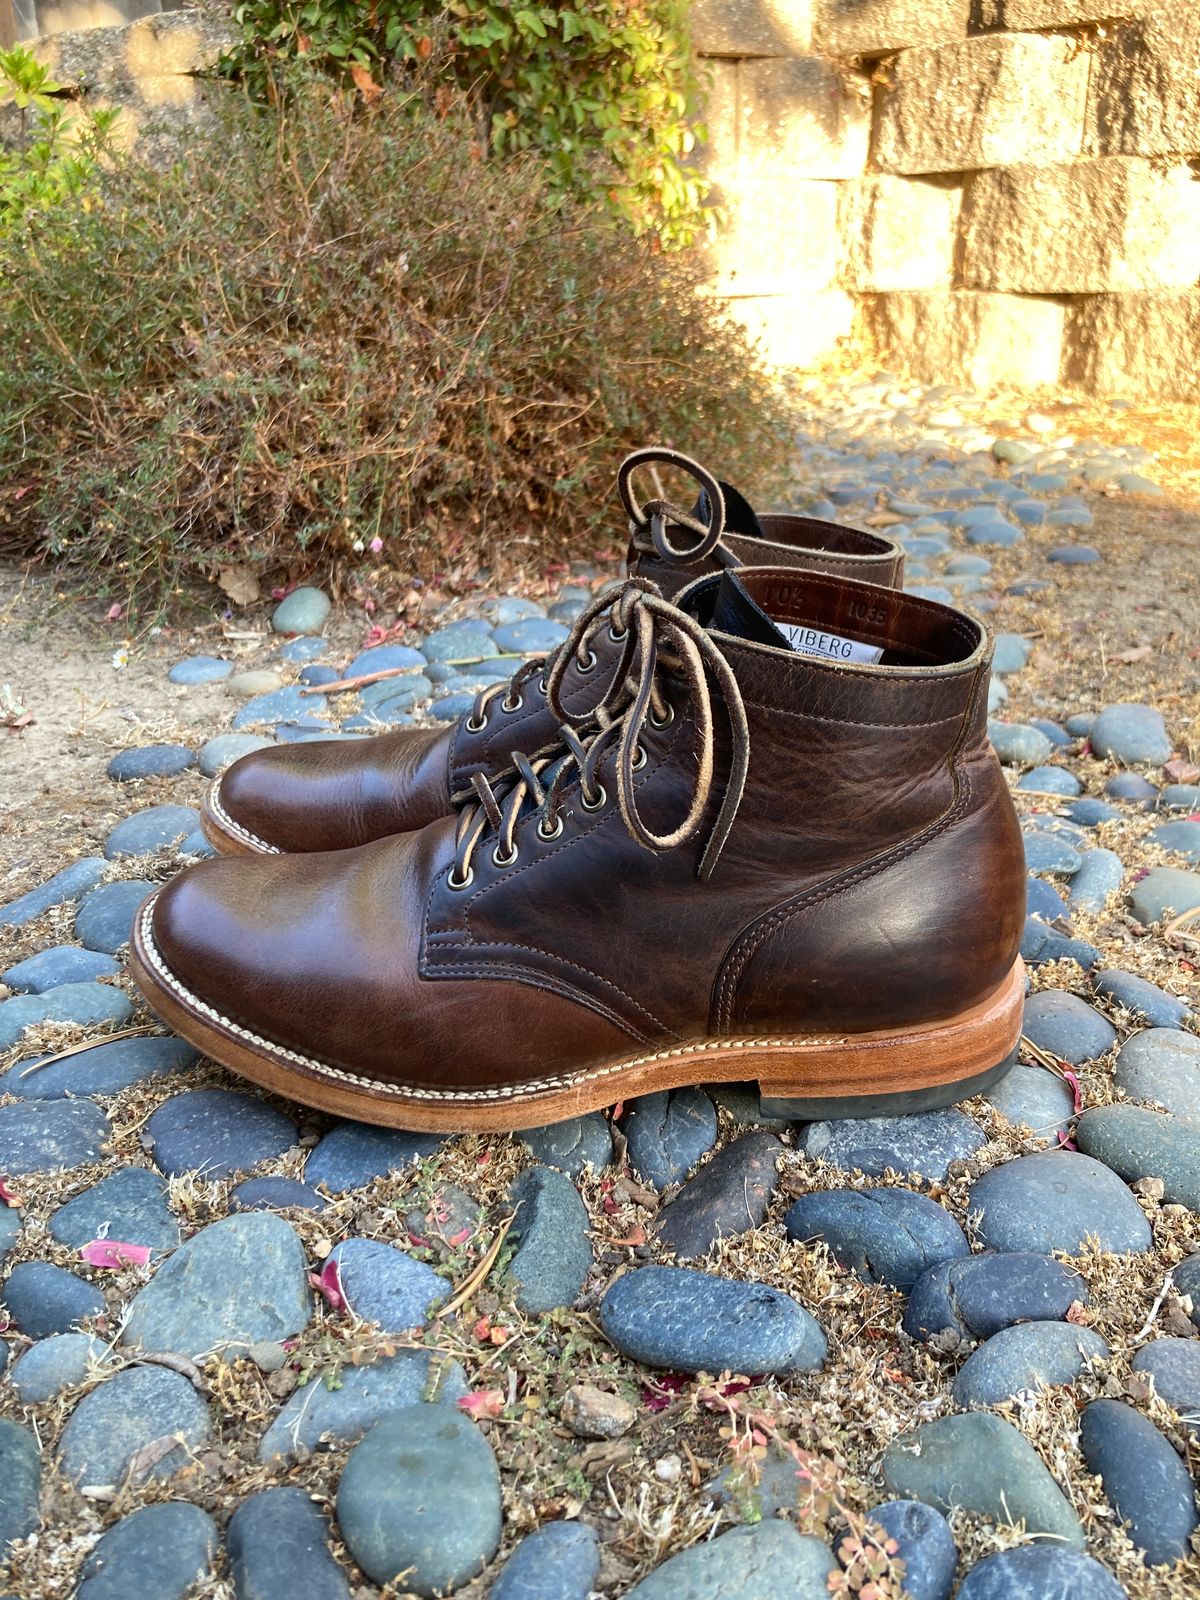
9, 1196
112, 1253
1073, 1080
328, 1284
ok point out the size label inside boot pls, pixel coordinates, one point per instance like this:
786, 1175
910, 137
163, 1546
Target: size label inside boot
830, 646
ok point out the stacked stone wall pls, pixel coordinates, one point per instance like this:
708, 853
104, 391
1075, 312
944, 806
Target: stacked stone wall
1014, 185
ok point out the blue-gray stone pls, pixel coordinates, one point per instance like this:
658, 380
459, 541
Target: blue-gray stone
64, 963
421, 1495
1182, 838
1050, 780
1030, 512
1137, 483
1040, 1572
566, 611
559, 1561
995, 534
1187, 1282
536, 636
550, 1228
1071, 514
1024, 1358
668, 1133
384, 658
981, 1463
925, 1143
1130, 733
883, 1235
997, 694
1090, 813
316, 675
68, 884
1055, 732
1034, 1098
1161, 1064
1056, 1200
1144, 1480
274, 1194
216, 1132
10, 1229
1010, 653
384, 1285
43, 1299
218, 753
1014, 451
1163, 892
303, 611
1180, 797
279, 1549
104, 920
1045, 852
926, 1543
969, 566
302, 649
760, 1561
20, 1479
1071, 555
931, 591
1067, 1027
1150, 1004
85, 1004
200, 669
1100, 874
305, 730
1132, 787
353, 1154
1018, 744
102, 1069
148, 832
237, 1282
1079, 724
124, 1414
729, 1195
462, 641
976, 1296
58, 1362
688, 1321
1040, 944
49, 1137
1043, 900
386, 716
160, 1551
282, 705
572, 1145
342, 1412
1145, 1144
398, 694
129, 1206
1174, 1364
451, 707
150, 761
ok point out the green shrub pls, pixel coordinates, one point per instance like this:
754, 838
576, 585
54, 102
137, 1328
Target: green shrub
606, 90
55, 148
329, 326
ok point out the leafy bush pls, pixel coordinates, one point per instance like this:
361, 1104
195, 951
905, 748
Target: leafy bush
605, 89
55, 148
329, 326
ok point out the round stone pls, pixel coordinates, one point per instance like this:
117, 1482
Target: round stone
216, 1132
293, 704
1043, 900
384, 1285
535, 636
279, 1549
1071, 555
1019, 744
1181, 838
60, 1362
10, 1230
459, 642
1067, 1027
316, 676
689, 1321
1187, 1282
218, 753
161, 1550
420, 1495
129, 1206
1010, 653
244, 685
50, 1136
1026, 1358
572, 1145
302, 649
1090, 813
105, 1068
302, 611
43, 1299
976, 1296
1100, 874
1044, 852
20, 1479
150, 761
450, 707
667, 1134
926, 1546
883, 1235
68, 884
763, 1561
64, 963
274, 1194
728, 1196
1161, 1064
353, 1154
1146, 1144
385, 658
1163, 893
1133, 788
200, 669
1144, 1481
1037, 1572
554, 1254
1132, 734
1050, 780
1174, 1364
1034, 1098
85, 1004
560, 1561
104, 919
925, 1144
113, 1423
1180, 797
1057, 1200
237, 1282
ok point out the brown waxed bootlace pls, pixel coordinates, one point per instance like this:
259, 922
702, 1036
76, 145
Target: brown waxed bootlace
648, 525
655, 638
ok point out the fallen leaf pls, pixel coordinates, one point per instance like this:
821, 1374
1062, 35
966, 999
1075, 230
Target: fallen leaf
240, 584
9, 1196
1180, 771
328, 1284
112, 1253
365, 83
483, 1403
152, 1453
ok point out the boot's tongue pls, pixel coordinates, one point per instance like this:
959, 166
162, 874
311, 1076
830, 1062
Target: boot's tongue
736, 611
740, 515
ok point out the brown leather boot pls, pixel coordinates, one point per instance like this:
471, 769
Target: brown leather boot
331, 794
781, 849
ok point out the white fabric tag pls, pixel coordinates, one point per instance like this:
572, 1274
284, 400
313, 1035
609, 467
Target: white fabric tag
830, 646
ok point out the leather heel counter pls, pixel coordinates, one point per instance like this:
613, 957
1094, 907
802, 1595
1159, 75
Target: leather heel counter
918, 936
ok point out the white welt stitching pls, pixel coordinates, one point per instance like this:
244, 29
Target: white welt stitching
235, 828
502, 1092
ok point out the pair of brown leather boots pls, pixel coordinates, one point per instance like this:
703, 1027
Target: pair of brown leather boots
744, 824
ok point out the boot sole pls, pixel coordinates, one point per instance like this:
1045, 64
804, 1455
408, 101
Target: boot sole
227, 837
889, 1072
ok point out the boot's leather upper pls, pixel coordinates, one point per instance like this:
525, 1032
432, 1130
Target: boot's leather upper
327, 795
741, 840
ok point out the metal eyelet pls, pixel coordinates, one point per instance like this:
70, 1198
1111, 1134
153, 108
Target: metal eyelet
543, 686
639, 759
475, 727
502, 860
663, 722
587, 663
464, 882
558, 828
510, 705
617, 636
601, 799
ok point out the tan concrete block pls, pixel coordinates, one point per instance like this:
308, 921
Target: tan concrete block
1143, 346
1083, 227
156, 47
899, 233
1017, 14
718, 154
751, 27
876, 27
796, 330
802, 116
989, 102
958, 336
66, 16
781, 238
1145, 90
